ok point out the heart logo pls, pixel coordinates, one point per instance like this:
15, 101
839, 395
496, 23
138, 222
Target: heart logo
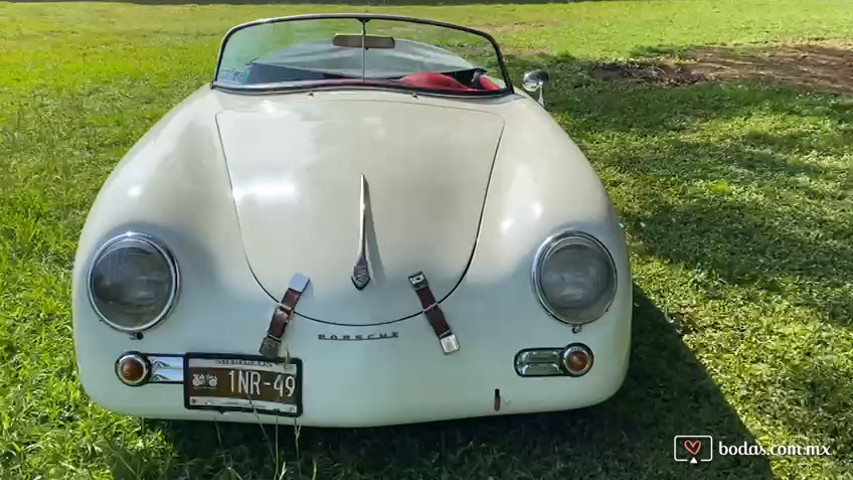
693, 446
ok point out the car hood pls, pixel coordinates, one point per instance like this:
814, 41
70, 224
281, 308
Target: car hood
295, 171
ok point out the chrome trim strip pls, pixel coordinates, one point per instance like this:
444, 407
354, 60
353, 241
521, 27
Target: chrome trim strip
166, 368
268, 407
540, 370
539, 362
361, 270
174, 271
539, 356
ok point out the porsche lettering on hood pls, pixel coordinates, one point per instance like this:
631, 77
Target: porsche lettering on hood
295, 170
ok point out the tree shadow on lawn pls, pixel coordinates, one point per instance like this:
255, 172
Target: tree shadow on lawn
701, 148
667, 393
744, 180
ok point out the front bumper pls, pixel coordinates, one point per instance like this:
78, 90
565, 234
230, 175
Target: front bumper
393, 374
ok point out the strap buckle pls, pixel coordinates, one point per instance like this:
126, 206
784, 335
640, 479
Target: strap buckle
419, 281
284, 308
281, 316
270, 346
449, 343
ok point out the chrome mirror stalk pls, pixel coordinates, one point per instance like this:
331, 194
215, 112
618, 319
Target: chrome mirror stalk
536, 80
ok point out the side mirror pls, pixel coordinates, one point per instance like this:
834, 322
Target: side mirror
536, 80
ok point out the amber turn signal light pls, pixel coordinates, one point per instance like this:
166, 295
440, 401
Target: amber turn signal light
132, 369
577, 359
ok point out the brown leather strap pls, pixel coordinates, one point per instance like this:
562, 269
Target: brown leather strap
449, 342
281, 316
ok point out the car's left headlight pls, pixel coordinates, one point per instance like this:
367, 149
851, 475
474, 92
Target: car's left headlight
574, 277
133, 282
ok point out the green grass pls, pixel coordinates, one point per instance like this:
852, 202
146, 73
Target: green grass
737, 199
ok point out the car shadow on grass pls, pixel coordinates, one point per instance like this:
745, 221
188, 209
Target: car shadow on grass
667, 393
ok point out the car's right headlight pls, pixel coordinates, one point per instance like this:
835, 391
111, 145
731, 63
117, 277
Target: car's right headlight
574, 277
133, 282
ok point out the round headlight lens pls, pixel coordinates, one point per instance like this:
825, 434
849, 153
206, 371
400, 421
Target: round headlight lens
574, 277
133, 282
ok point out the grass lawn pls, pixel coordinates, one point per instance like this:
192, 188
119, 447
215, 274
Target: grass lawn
736, 193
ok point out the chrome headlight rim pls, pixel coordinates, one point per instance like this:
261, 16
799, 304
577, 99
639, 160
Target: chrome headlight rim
174, 272
558, 240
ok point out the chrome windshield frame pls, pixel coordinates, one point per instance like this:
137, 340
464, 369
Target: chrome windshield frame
362, 17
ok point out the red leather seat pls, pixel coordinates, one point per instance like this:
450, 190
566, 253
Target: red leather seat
434, 80
486, 84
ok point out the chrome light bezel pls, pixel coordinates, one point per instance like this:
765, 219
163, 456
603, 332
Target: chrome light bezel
174, 271
575, 347
555, 241
146, 369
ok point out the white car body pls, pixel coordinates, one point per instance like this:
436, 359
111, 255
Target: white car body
464, 189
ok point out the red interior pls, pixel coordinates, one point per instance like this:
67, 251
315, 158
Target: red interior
486, 84
440, 81
434, 80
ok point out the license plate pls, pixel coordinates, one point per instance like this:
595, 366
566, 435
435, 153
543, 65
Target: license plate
243, 383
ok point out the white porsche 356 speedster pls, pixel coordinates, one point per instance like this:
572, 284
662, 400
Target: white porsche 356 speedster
358, 222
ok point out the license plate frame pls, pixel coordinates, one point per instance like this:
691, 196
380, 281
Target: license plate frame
290, 367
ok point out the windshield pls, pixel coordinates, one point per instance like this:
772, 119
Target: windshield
329, 51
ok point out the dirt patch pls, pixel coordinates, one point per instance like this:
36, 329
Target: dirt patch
647, 73
817, 67
509, 27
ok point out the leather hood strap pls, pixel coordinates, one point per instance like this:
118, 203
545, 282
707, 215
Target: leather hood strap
282, 315
448, 341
